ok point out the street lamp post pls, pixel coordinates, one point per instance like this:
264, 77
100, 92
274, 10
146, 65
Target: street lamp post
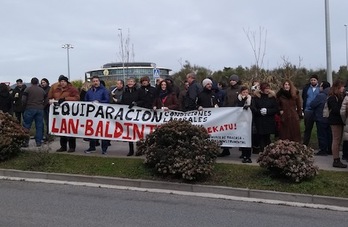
346, 47
328, 43
122, 53
68, 47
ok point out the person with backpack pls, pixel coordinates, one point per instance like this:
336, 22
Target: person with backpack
334, 103
324, 134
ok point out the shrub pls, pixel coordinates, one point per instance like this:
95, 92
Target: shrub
290, 159
12, 136
180, 149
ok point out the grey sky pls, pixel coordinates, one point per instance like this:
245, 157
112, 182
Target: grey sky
206, 33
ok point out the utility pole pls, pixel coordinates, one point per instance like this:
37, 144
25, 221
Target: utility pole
346, 47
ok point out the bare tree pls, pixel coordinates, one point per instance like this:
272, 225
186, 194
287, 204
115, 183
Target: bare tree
257, 41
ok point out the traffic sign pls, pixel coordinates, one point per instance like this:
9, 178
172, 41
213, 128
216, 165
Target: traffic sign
156, 73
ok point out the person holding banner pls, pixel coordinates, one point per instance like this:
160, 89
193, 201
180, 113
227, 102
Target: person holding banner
190, 100
130, 97
64, 91
244, 100
166, 99
97, 94
207, 98
147, 93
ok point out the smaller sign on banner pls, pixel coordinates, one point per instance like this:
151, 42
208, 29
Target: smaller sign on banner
156, 73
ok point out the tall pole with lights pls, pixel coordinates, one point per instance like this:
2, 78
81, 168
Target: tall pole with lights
68, 47
122, 55
346, 47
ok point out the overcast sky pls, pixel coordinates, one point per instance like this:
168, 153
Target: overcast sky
166, 32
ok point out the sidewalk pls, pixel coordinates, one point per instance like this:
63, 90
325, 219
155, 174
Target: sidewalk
120, 149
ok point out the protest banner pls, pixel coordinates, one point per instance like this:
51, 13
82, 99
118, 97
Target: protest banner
230, 126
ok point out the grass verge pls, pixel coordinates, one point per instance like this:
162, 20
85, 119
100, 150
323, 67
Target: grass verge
327, 183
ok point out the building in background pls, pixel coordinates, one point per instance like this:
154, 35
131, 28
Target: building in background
119, 70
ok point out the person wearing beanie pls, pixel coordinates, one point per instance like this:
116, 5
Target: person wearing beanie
17, 105
34, 99
232, 91
230, 100
206, 81
60, 92
309, 92
324, 134
207, 98
63, 78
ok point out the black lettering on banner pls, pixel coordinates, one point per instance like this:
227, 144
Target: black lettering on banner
90, 109
65, 109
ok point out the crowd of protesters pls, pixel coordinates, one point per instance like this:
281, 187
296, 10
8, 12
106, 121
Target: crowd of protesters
275, 113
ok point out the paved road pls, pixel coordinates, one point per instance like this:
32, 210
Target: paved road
37, 204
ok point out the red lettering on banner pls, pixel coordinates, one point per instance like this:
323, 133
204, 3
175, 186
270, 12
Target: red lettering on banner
67, 126
107, 134
100, 129
118, 130
127, 137
54, 129
88, 128
222, 128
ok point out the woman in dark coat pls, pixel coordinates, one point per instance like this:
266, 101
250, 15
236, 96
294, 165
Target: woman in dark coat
5, 99
166, 99
290, 111
264, 106
334, 103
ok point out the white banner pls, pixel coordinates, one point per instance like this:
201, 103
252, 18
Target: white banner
231, 126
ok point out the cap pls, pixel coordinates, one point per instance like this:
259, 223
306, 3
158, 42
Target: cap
63, 78
206, 81
234, 77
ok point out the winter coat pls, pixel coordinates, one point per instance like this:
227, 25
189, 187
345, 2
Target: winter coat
265, 124
69, 93
169, 100
5, 102
231, 95
290, 119
190, 100
317, 105
243, 101
334, 104
344, 116
17, 98
100, 94
147, 96
130, 95
116, 94
207, 99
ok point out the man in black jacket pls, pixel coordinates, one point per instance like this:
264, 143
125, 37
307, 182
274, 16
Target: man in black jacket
17, 94
190, 100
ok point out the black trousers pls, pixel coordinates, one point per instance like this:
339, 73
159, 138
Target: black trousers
65, 139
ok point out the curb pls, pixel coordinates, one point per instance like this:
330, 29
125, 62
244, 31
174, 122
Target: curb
182, 187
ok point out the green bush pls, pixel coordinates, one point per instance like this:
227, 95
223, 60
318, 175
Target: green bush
180, 149
289, 159
12, 136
